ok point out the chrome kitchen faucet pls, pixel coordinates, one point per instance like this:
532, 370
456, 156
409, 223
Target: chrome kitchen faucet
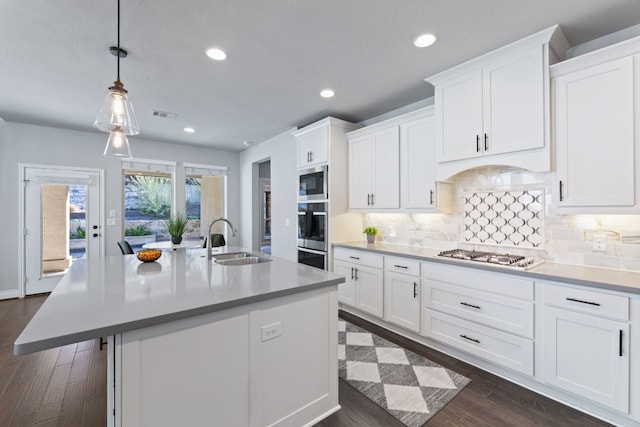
210, 240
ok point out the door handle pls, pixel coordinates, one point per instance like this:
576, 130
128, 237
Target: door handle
372, 199
356, 273
368, 199
351, 273
311, 156
430, 197
477, 143
620, 344
486, 146
415, 289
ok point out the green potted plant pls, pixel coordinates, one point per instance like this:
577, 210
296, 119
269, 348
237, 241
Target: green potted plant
176, 226
371, 232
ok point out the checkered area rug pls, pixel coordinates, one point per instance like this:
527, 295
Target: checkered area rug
408, 386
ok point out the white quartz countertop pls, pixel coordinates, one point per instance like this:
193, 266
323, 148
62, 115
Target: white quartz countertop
604, 278
109, 295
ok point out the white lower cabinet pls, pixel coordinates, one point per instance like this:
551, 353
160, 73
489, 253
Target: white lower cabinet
488, 315
402, 292
585, 341
364, 284
493, 345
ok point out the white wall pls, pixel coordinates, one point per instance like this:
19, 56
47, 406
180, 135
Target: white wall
21, 143
281, 149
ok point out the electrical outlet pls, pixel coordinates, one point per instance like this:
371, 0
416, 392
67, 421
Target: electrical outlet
272, 331
599, 242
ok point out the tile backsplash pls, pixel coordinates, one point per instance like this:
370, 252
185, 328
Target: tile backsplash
506, 218
560, 238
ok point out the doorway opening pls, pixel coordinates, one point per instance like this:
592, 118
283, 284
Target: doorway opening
264, 184
61, 222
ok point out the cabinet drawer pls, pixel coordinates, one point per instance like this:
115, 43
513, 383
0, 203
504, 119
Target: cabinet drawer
498, 347
359, 257
586, 301
402, 265
496, 311
503, 284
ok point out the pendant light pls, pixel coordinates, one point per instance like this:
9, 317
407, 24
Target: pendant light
116, 115
117, 145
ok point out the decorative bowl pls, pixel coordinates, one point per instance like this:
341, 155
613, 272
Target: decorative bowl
148, 255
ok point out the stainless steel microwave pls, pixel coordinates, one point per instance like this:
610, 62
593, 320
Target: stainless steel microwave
313, 184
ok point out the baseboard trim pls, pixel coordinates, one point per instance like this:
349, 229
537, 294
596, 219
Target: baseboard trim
9, 294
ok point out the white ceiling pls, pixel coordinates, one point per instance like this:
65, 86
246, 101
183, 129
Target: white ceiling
56, 67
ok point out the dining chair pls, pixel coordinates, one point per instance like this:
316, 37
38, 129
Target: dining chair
125, 247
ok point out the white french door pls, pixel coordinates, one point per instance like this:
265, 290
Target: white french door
45, 212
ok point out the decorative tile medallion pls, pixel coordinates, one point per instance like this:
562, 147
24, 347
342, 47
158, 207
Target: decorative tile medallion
514, 218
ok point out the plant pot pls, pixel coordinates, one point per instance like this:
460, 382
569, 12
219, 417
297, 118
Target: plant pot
176, 240
371, 238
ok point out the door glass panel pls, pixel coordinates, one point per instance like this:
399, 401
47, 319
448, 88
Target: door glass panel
55, 229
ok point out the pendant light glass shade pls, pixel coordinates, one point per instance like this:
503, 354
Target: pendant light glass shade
117, 112
117, 145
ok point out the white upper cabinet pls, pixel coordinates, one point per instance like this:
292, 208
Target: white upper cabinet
392, 166
595, 131
418, 186
494, 110
313, 147
374, 170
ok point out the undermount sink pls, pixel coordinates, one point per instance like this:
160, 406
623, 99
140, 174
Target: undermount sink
239, 258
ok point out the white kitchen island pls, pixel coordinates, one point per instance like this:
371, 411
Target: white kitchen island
195, 343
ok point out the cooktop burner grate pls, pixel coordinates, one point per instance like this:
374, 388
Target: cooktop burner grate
491, 258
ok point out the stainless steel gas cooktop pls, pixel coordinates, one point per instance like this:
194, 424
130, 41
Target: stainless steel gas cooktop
507, 260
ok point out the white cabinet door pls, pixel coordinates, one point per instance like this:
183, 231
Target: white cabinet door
161, 365
588, 356
374, 170
386, 169
417, 160
360, 173
513, 103
402, 300
369, 290
594, 135
313, 147
346, 290
496, 109
459, 117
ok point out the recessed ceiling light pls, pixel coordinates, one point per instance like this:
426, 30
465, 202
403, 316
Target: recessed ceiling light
189, 130
424, 40
327, 93
217, 54
246, 143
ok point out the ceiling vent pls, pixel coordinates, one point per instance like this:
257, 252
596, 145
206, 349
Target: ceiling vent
164, 114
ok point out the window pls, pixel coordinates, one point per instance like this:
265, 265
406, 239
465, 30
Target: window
150, 195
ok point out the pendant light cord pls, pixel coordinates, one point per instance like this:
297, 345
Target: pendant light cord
118, 40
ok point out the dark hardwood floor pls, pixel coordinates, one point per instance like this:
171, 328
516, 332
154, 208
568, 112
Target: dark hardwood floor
67, 387
486, 401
